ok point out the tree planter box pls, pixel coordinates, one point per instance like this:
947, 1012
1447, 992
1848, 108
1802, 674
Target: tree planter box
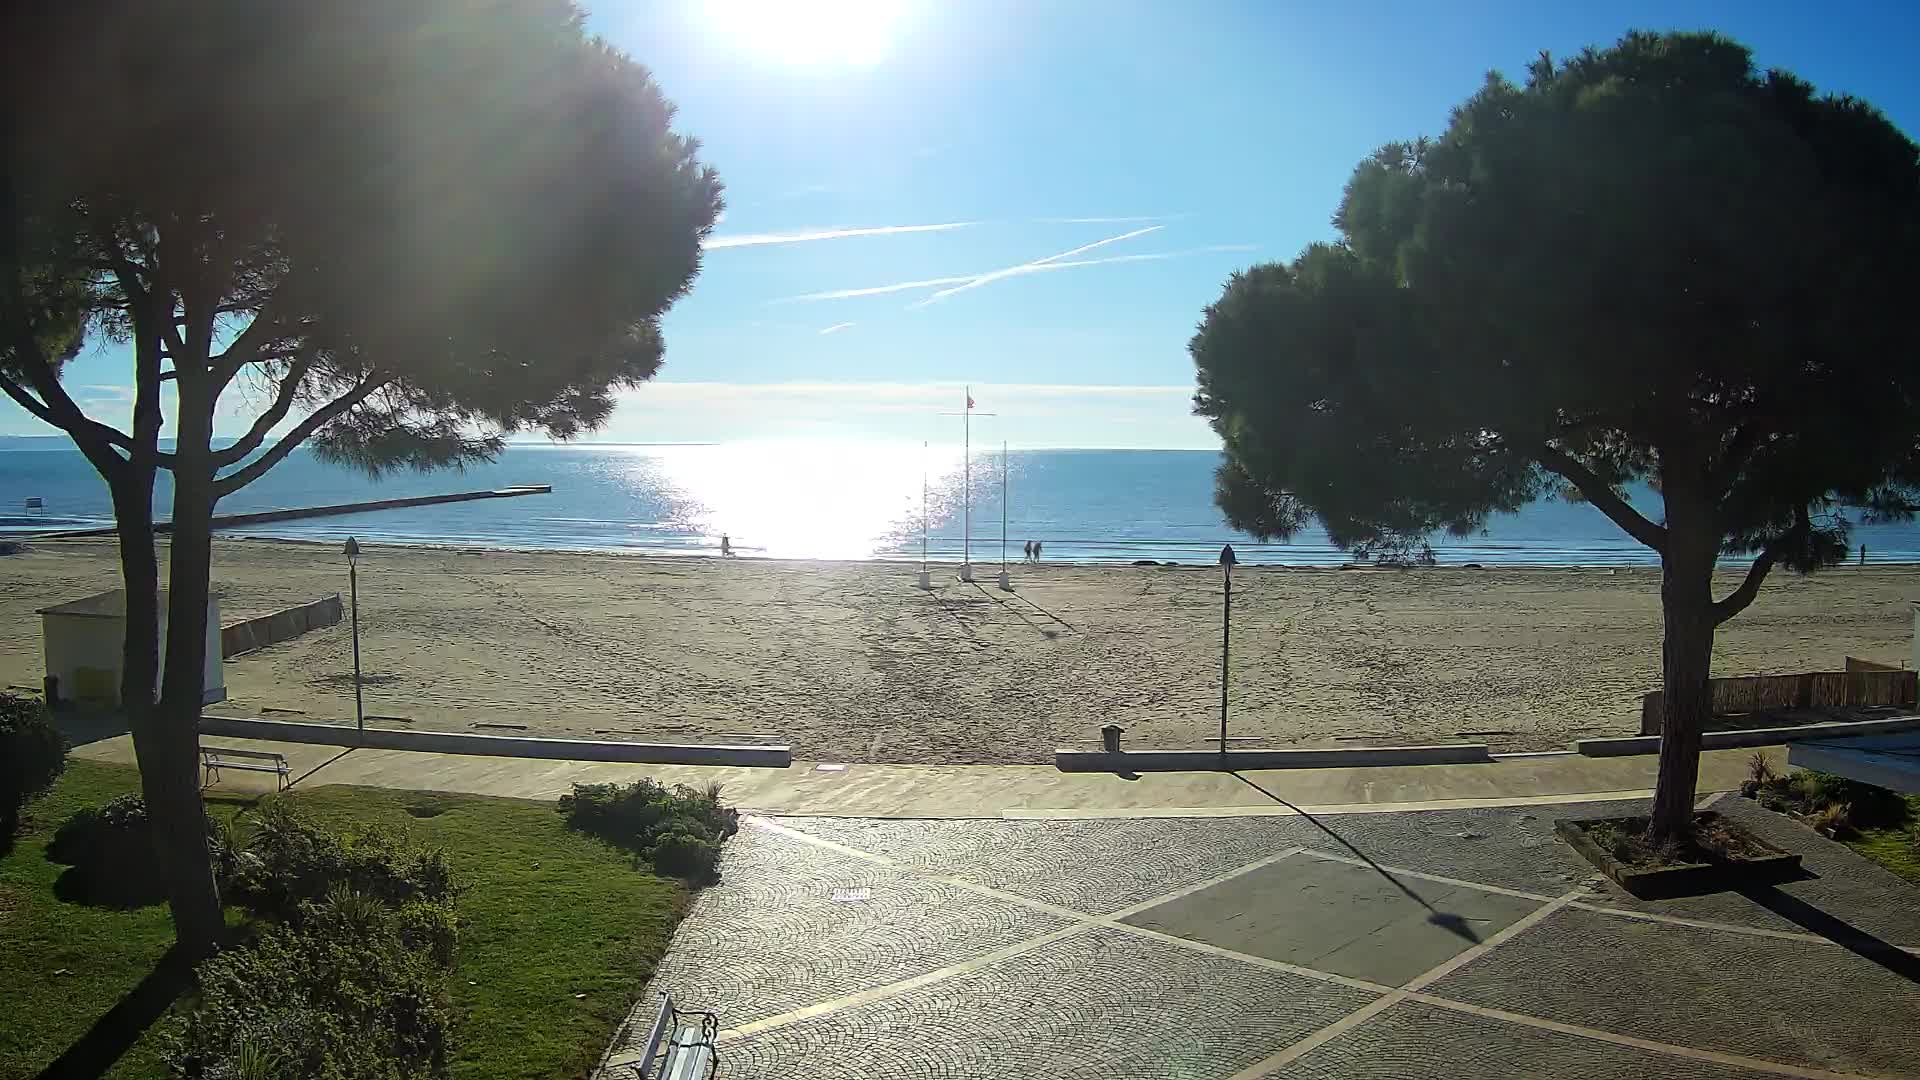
1684, 879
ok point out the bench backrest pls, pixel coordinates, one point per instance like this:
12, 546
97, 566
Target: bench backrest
211, 753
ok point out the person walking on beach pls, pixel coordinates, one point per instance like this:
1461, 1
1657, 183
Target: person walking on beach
726, 546
1028, 549
1036, 551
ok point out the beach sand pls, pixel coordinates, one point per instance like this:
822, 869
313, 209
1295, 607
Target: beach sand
850, 662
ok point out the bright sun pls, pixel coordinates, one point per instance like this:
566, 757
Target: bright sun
854, 32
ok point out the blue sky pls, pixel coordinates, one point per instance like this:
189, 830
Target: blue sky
1102, 166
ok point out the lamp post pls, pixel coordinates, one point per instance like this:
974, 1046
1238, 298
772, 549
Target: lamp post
1226, 635
353, 588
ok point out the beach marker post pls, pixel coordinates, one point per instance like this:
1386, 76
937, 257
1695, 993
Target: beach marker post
966, 485
1227, 560
353, 588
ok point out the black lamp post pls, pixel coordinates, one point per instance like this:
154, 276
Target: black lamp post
353, 587
1226, 635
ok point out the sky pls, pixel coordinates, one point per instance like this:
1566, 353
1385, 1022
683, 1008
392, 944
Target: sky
1039, 199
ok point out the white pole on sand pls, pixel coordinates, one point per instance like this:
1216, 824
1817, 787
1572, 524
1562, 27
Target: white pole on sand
1005, 583
926, 582
966, 483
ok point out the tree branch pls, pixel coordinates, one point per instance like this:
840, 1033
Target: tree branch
264, 423
1738, 600
1602, 495
316, 420
95, 440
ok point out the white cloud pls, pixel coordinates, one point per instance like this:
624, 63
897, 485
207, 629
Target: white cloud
1031, 268
1028, 415
802, 236
1134, 219
835, 328
1028, 267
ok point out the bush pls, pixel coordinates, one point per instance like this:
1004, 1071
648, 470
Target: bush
677, 829
293, 860
111, 851
350, 983
33, 754
340, 997
1868, 806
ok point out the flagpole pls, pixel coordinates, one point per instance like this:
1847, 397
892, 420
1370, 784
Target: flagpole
966, 482
1005, 583
925, 581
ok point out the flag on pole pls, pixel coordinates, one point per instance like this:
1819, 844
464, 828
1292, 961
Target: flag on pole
969, 397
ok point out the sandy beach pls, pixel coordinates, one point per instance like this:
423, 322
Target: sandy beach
850, 662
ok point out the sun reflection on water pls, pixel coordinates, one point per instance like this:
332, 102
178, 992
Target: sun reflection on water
812, 499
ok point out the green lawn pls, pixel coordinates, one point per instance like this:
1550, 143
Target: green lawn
545, 915
1894, 847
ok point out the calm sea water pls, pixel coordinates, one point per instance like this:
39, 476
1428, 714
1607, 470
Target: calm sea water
821, 500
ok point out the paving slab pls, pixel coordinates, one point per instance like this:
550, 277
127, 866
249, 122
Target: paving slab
790, 925
1814, 1005
1415, 1039
1336, 917
1100, 1005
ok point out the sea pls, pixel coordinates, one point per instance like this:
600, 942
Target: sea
821, 500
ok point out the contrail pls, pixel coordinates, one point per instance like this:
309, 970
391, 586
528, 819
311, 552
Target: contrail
1028, 267
934, 283
804, 236
835, 328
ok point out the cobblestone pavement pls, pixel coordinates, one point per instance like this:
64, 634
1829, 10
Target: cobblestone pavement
1463, 943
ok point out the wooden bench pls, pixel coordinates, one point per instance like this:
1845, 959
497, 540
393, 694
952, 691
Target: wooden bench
213, 759
679, 1046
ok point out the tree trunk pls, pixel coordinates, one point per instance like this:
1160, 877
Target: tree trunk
1686, 665
173, 799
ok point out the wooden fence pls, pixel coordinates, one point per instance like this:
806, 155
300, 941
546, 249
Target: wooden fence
1804, 691
283, 625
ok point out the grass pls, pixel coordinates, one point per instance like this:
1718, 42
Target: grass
1895, 847
558, 931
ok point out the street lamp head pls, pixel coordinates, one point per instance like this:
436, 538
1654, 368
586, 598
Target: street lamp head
353, 547
1226, 556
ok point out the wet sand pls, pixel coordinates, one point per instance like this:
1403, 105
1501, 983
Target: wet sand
851, 662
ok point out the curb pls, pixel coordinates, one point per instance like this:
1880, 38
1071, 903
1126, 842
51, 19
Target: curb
762, 757
1212, 760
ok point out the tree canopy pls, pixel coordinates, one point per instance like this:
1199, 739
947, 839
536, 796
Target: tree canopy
417, 225
1645, 261
400, 229
1648, 263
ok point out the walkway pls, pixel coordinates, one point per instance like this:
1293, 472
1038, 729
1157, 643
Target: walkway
1438, 943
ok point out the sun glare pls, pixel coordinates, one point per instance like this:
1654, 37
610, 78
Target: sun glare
850, 32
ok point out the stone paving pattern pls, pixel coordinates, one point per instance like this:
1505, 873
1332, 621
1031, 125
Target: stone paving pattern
1096, 1005
1813, 1005
987, 948
1415, 1039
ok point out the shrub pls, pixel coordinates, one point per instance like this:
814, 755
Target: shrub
293, 860
1868, 805
110, 848
340, 997
677, 829
1834, 820
684, 854
1759, 769
350, 983
33, 754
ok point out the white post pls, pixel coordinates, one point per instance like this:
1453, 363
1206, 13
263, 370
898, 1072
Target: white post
926, 582
1005, 583
966, 482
